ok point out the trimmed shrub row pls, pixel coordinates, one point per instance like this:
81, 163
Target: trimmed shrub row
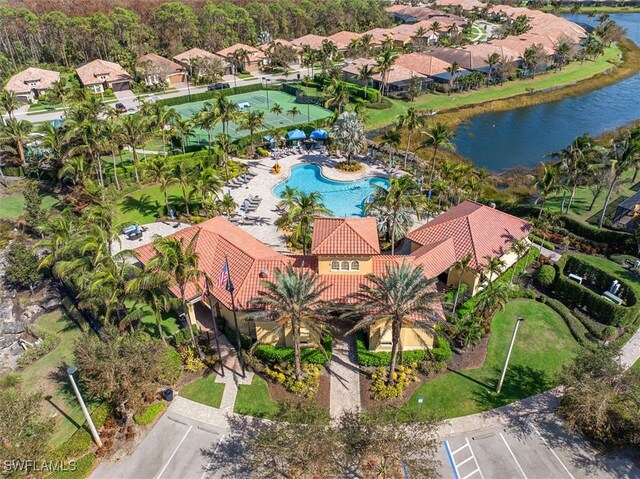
579, 296
596, 329
545, 244
441, 353
275, 354
578, 331
148, 415
618, 240
84, 465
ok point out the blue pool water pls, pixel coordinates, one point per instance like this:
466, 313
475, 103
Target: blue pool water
343, 198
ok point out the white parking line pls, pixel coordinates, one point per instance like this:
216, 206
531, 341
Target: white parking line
551, 449
456, 465
513, 456
174, 452
206, 469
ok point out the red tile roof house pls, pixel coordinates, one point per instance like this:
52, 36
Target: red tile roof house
155, 70
257, 58
399, 79
343, 252
313, 41
468, 229
190, 58
29, 84
100, 75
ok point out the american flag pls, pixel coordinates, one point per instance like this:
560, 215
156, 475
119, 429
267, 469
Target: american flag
224, 276
205, 291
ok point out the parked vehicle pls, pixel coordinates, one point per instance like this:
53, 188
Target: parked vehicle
217, 86
120, 108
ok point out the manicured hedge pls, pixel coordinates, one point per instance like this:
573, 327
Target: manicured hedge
274, 354
545, 244
618, 240
441, 353
577, 329
579, 296
148, 415
208, 95
84, 465
81, 440
623, 259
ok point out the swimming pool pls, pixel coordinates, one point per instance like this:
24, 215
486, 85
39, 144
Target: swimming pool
343, 198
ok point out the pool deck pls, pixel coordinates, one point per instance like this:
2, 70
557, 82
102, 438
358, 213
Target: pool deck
263, 184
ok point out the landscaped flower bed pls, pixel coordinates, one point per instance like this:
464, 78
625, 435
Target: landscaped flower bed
284, 374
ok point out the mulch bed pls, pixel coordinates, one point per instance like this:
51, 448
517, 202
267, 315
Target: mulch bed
370, 404
279, 393
470, 358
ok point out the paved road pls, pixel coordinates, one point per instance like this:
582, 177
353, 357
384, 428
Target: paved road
177, 447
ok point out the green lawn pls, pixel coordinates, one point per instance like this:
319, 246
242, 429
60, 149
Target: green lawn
146, 204
543, 345
254, 399
636, 366
12, 206
48, 375
204, 390
441, 101
613, 268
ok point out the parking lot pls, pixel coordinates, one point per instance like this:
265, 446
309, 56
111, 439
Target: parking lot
532, 450
177, 447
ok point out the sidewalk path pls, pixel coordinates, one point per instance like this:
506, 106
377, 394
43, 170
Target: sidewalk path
232, 375
345, 377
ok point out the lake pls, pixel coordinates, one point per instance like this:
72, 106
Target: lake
522, 137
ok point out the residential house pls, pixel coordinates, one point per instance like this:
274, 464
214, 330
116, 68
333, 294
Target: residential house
312, 41
343, 39
408, 14
156, 70
256, 58
398, 81
468, 229
100, 75
467, 59
191, 59
628, 212
29, 84
428, 65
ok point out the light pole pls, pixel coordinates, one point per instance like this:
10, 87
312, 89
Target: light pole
267, 80
420, 401
70, 371
506, 362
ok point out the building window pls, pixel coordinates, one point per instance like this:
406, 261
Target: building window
345, 266
355, 265
335, 266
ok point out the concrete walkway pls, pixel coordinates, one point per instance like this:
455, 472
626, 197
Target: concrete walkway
232, 375
345, 378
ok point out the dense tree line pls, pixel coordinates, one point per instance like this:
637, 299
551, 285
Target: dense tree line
122, 35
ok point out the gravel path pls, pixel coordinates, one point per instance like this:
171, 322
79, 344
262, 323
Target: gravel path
345, 377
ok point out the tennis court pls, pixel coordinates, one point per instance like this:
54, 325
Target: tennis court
258, 101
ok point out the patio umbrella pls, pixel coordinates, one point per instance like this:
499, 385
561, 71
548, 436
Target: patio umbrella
269, 139
319, 134
296, 135
56, 123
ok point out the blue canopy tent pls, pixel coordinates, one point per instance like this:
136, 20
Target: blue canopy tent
56, 123
318, 136
269, 139
295, 136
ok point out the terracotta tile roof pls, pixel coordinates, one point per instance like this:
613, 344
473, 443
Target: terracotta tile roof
158, 61
380, 34
314, 41
484, 50
397, 74
465, 4
474, 228
345, 236
424, 13
436, 257
19, 83
467, 59
280, 41
91, 72
423, 63
254, 53
343, 39
185, 57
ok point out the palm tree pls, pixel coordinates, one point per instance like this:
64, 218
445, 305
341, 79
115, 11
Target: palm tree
88, 138
365, 74
301, 210
520, 248
337, 94
492, 300
252, 121
158, 170
14, 134
293, 301
178, 258
438, 135
348, 133
492, 60
134, 131
548, 184
184, 127
394, 300
392, 139
436, 28
228, 205
462, 267
209, 184
276, 109
562, 52
403, 193
574, 162
493, 268
207, 118
410, 121
227, 111
384, 65
452, 70
55, 144
293, 112
57, 233
184, 176
624, 153
58, 91
164, 116
225, 147
309, 57
8, 102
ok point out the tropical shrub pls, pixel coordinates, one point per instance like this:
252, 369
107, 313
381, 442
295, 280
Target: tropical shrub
270, 354
546, 275
48, 342
264, 153
171, 367
545, 244
192, 362
403, 376
182, 336
149, 414
379, 105
284, 374
366, 358
350, 167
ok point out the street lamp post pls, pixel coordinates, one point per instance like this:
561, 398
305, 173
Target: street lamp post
506, 362
70, 371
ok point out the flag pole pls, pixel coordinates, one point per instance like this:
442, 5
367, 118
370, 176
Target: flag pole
215, 327
230, 288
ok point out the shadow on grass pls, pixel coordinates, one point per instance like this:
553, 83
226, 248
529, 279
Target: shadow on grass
143, 205
520, 382
469, 378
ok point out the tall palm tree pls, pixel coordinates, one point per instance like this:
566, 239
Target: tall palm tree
520, 248
308, 58
228, 205
179, 259
55, 144
224, 146
227, 112
410, 121
157, 170
184, 176
276, 109
452, 70
209, 184
8, 102
14, 134
252, 121
394, 300
548, 184
438, 136
574, 163
57, 233
86, 138
293, 112
392, 139
348, 133
492, 300
492, 60
493, 268
134, 131
337, 93
183, 127
293, 300
462, 267
403, 193
365, 74
435, 28
384, 65
301, 211
163, 116
208, 117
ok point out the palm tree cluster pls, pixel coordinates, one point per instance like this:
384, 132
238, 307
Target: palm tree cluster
300, 210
